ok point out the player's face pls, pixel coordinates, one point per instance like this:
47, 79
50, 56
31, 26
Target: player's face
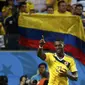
58, 47
42, 69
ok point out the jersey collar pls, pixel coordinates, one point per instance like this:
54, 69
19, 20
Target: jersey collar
58, 57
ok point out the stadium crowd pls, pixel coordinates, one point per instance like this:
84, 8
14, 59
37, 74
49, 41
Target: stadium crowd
9, 34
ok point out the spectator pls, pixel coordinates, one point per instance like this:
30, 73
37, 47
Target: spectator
5, 13
12, 9
54, 3
23, 80
62, 9
22, 7
42, 72
79, 12
29, 5
50, 10
69, 8
73, 8
11, 26
10, 13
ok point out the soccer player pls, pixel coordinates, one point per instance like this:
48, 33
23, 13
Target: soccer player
59, 64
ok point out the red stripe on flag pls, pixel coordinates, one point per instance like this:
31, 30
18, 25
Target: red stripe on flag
35, 43
77, 53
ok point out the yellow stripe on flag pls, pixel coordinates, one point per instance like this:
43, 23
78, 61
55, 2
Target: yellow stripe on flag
61, 24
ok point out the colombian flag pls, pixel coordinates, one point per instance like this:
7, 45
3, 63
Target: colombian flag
68, 28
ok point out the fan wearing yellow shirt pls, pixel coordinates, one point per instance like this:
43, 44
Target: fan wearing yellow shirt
8, 7
29, 5
11, 8
55, 3
59, 64
22, 8
62, 9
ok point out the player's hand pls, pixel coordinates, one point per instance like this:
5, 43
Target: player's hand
63, 73
42, 41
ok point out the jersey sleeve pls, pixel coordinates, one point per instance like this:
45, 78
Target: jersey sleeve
73, 66
48, 57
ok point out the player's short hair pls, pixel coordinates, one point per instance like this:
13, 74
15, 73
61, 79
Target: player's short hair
61, 41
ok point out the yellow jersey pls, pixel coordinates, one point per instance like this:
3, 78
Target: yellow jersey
55, 65
56, 3
62, 14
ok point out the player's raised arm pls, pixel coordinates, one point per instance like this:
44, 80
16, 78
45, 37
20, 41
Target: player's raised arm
40, 49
